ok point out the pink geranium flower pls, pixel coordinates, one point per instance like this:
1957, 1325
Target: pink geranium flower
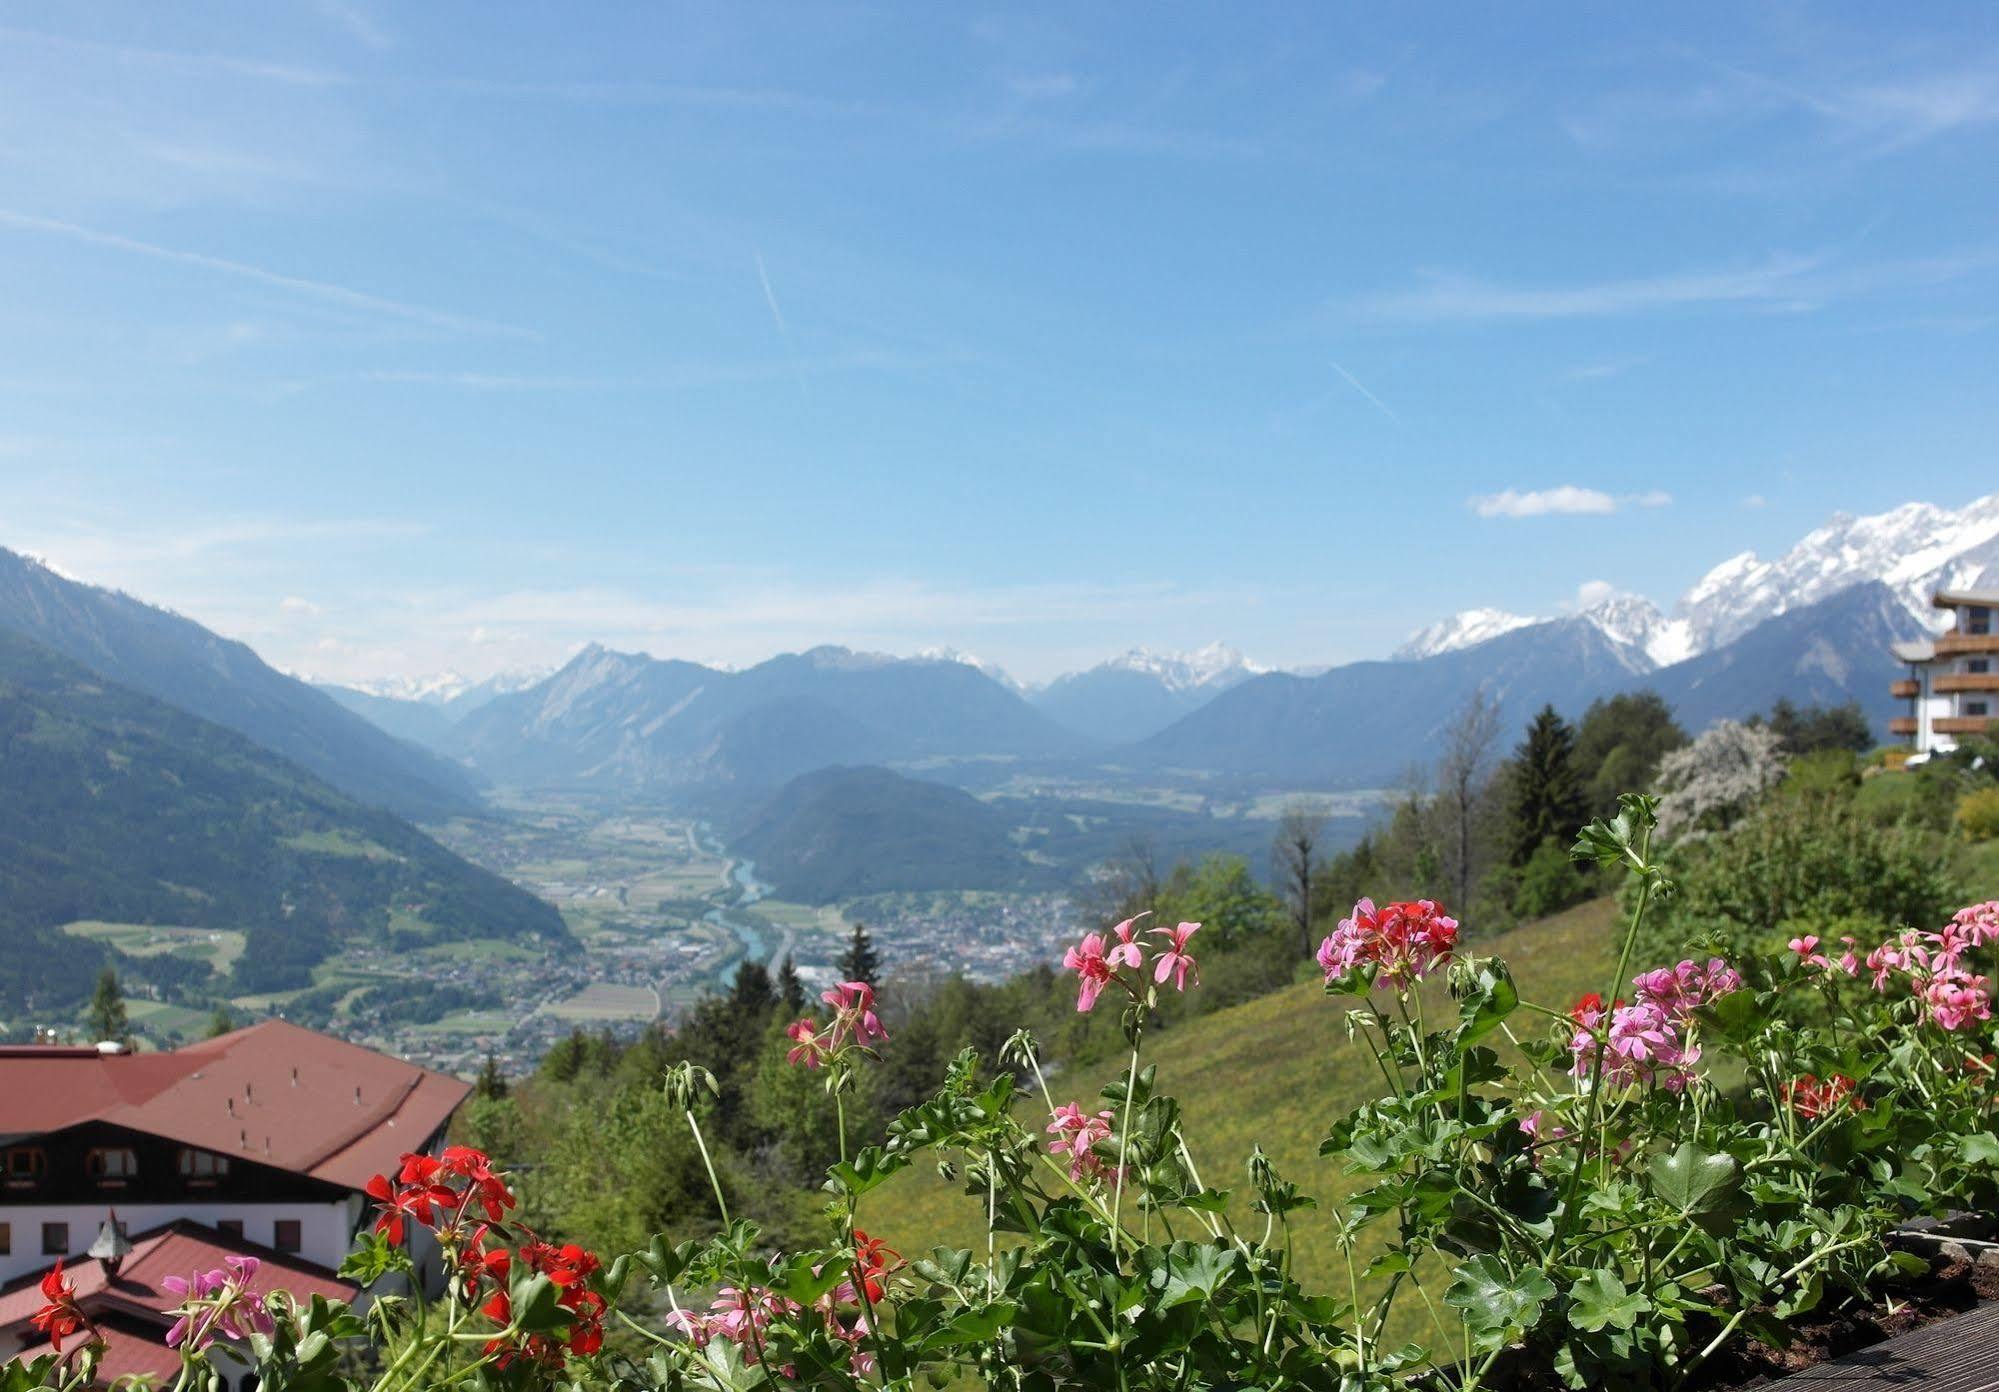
1175, 961
1128, 952
1956, 999
853, 1005
1076, 1134
809, 1049
1093, 967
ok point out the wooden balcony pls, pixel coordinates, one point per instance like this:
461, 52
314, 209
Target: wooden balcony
1948, 643
1960, 681
1961, 724
1902, 725
1906, 687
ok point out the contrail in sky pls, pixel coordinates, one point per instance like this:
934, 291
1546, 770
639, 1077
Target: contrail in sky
1355, 383
777, 317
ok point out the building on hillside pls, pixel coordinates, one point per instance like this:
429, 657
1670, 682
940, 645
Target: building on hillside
258, 1142
1953, 682
132, 1309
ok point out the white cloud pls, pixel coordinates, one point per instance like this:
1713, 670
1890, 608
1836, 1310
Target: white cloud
1563, 500
1591, 593
293, 604
1755, 500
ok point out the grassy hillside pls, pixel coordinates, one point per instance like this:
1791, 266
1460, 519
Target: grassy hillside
123, 809
1273, 1072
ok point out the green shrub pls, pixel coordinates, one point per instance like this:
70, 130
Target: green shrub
1978, 814
1802, 863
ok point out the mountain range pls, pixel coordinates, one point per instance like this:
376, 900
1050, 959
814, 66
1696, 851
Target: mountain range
624, 721
176, 660
1914, 550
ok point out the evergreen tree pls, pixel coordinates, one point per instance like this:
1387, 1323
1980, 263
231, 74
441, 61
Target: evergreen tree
492, 1083
861, 962
1547, 801
790, 990
107, 1009
221, 1022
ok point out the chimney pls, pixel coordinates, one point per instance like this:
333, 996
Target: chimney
230, 1103
357, 1094
247, 1094
294, 1075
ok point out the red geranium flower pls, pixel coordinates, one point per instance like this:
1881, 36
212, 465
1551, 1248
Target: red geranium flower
60, 1316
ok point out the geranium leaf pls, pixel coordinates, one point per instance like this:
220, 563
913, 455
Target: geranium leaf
1693, 1180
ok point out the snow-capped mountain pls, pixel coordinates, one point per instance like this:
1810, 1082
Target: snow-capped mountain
1216, 666
1461, 630
1141, 692
448, 688
1914, 550
432, 690
991, 669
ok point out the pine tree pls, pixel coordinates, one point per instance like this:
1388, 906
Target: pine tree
1547, 801
861, 962
107, 1009
492, 1083
790, 990
221, 1022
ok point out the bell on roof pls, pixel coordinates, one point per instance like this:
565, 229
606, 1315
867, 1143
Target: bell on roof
111, 1246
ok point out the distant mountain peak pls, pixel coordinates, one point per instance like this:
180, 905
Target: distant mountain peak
1210, 665
1914, 549
1467, 628
965, 659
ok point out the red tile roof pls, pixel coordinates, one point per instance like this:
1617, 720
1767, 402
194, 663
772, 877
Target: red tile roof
173, 1250
275, 1092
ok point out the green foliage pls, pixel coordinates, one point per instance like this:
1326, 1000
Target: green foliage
107, 1018
1545, 797
1978, 814
1620, 742
1819, 729
1549, 882
861, 962
1800, 865
1822, 773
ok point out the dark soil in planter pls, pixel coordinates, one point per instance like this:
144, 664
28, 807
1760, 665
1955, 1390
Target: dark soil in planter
1953, 1287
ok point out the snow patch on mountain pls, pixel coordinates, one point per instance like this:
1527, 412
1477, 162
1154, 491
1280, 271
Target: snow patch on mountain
991, 669
1915, 549
1465, 629
1215, 666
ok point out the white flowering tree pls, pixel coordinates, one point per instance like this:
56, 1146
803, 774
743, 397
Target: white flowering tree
1722, 773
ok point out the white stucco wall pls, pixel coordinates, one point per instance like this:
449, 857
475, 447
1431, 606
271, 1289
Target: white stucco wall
325, 1229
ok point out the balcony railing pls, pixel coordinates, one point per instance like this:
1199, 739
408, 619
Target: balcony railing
1947, 643
1964, 681
1902, 725
1963, 724
1907, 686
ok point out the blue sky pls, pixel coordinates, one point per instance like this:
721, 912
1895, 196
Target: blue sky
393, 338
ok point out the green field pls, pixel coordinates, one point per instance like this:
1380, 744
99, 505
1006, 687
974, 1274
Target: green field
603, 1000
220, 947
1273, 1072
